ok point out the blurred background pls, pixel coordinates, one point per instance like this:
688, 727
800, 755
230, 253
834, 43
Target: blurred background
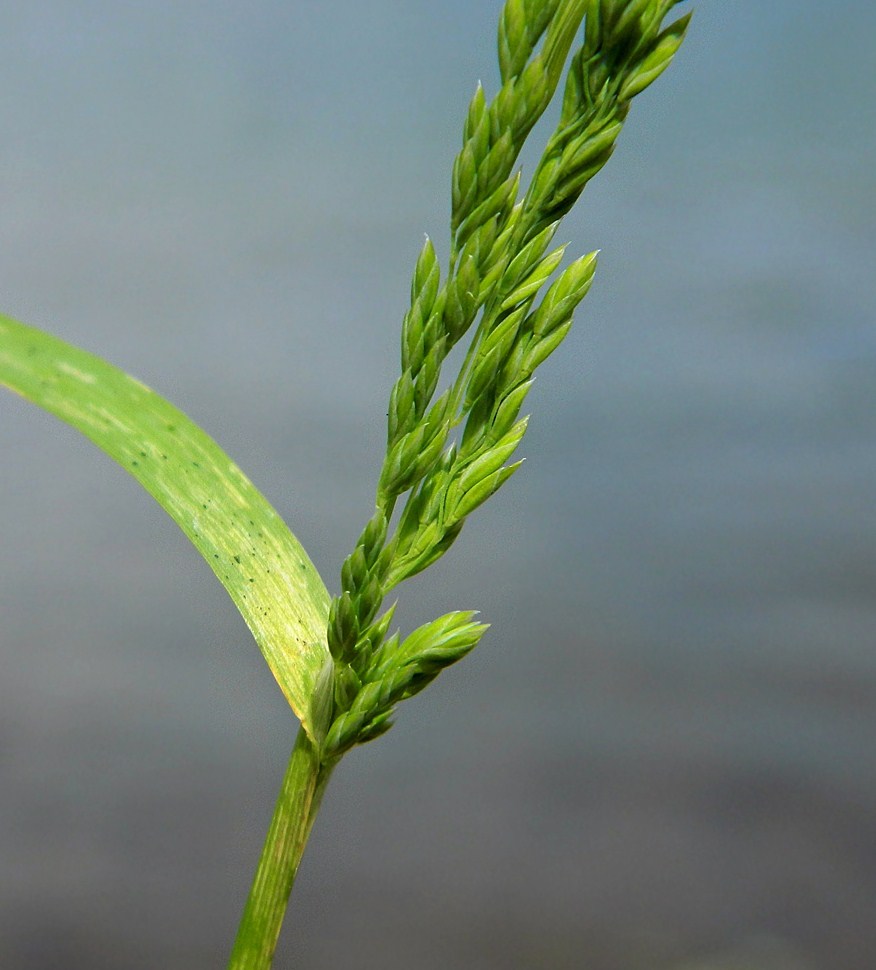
663, 755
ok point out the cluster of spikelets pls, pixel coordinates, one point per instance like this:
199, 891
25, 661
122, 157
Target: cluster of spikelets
447, 455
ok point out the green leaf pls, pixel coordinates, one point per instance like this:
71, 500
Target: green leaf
256, 558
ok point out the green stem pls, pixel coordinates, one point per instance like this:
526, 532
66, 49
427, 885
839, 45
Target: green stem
294, 814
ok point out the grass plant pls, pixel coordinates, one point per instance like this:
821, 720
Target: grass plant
503, 294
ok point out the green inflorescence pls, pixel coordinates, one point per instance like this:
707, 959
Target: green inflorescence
446, 455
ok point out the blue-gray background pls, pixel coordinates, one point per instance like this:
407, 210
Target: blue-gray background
664, 751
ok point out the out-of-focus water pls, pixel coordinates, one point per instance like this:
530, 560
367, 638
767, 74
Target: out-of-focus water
663, 755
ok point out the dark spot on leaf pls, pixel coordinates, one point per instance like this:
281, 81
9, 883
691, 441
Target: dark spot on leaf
237, 559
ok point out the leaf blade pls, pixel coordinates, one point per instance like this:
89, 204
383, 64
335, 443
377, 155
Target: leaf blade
257, 559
